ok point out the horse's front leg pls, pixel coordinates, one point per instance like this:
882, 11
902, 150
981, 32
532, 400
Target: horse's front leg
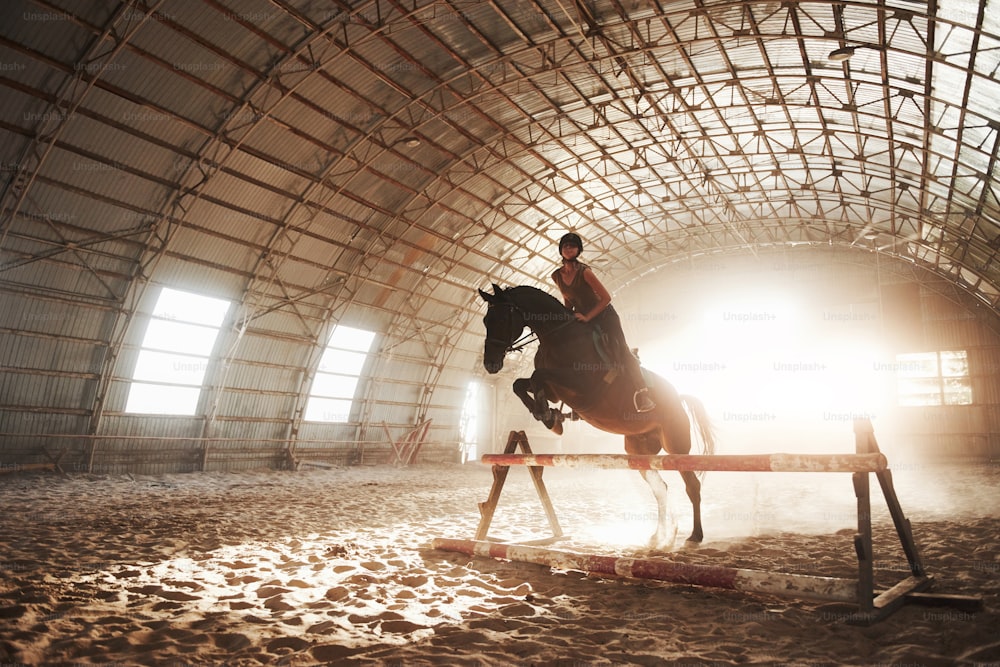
534, 396
523, 390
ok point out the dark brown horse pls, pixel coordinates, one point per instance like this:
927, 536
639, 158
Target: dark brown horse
570, 367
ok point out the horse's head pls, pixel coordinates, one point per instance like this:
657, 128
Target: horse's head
504, 323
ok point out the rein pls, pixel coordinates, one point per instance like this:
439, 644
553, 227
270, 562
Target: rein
528, 338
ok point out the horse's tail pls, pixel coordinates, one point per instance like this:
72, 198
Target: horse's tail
702, 422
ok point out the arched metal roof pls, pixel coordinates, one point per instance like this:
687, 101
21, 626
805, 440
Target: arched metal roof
375, 163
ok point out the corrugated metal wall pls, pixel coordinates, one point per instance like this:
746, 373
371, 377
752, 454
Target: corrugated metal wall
52, 364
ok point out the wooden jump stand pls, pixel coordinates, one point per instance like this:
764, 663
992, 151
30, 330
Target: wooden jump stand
486, 509
873, 605
406, 448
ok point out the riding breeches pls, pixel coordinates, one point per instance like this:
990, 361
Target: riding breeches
611, 325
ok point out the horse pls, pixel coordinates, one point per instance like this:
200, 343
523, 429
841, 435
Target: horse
570, 367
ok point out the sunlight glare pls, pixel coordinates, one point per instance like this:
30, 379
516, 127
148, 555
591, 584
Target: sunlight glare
772, 378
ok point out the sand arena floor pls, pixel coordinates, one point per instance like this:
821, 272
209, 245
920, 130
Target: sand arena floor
334, 567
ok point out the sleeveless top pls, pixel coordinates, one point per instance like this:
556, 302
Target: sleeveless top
580, 295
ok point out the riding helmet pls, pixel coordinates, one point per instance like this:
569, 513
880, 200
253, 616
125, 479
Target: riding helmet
572, 239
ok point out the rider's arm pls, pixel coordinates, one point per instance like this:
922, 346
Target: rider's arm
603, 296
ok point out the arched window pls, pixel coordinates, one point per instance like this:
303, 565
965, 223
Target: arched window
170, 369
337, 377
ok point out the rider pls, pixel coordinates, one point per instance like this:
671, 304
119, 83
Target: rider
584, 294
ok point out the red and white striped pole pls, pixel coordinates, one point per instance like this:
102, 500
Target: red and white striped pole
752, 581
720, 462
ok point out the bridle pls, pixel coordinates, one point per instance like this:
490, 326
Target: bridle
526, 339
507, 345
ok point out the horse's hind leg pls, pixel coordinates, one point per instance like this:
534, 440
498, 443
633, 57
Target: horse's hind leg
677, 440
693, 487
666, 526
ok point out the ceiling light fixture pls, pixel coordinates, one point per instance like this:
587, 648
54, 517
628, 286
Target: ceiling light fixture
841, 54
847, 52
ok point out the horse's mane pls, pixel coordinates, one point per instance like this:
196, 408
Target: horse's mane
540, 295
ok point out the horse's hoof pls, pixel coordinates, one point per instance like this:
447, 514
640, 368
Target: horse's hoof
663, 541
554, 421
655, 544
696, 538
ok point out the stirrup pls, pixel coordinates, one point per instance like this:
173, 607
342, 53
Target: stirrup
642, 401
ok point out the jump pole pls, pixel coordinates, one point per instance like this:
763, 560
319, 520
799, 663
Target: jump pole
713, 576
871, 462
